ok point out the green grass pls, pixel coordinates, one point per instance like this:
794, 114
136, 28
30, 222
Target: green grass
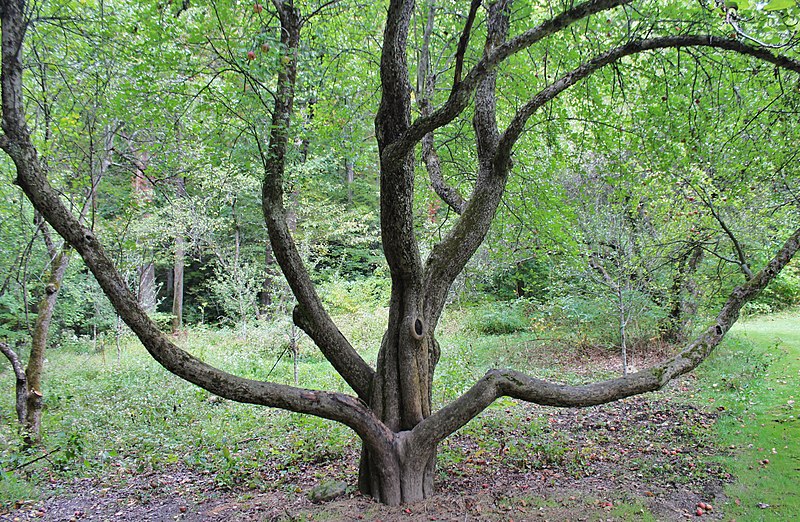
756, 378
107, 416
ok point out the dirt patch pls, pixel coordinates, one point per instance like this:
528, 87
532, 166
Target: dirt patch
615, 462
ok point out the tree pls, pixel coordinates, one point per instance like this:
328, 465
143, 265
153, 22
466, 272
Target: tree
392, 408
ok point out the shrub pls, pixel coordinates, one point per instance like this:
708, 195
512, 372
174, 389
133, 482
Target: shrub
347, 297
529, 279
782, 293
498, 318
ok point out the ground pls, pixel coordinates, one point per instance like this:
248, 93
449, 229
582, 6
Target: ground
644, 458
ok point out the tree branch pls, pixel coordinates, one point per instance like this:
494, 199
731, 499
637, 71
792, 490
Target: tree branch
597, 266
460, 96
426, 83
13, 358
310, 314
463, 41
448, 257
510, 383
397, 172
737, 247
52, 252
588, 68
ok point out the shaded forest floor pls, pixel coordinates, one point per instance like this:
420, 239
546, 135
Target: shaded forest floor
639, 459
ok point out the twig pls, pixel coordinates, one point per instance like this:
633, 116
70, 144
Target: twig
37, 459
250, 439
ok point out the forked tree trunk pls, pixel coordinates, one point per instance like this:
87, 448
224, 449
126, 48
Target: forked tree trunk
401, 398
391, 409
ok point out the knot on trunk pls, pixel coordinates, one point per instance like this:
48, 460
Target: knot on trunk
51, 289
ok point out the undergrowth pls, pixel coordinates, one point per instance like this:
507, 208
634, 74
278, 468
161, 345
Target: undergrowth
115, 415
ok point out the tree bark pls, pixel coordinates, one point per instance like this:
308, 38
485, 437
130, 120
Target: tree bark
34, 370
21, 404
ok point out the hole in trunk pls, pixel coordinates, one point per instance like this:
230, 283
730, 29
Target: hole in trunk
417, 328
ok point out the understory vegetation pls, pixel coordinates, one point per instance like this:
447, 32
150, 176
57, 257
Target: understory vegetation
113, 414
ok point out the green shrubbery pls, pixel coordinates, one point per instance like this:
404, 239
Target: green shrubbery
343, 296
500, 317
781, 294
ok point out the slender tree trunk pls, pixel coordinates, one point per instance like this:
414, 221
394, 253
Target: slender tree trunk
147, 286
178, 268
349, 177
118, 334
33, 373
293, 334
265, 295
623, 334
22, 382
177, 285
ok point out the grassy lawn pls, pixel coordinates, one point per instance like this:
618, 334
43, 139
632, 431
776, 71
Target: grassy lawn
756, 377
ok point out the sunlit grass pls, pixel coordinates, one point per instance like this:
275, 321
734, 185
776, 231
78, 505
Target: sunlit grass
756, 377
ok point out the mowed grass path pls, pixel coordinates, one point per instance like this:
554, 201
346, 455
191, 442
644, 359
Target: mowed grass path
762, 424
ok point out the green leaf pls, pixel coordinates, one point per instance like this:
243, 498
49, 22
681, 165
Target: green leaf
777, 5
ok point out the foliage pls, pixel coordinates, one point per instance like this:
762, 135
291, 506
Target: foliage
345, 296
497, 318
783, 294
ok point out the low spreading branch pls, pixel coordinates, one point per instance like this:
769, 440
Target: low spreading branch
510, 383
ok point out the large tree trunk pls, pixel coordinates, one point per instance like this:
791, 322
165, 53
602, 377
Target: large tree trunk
401, 397
407, 478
